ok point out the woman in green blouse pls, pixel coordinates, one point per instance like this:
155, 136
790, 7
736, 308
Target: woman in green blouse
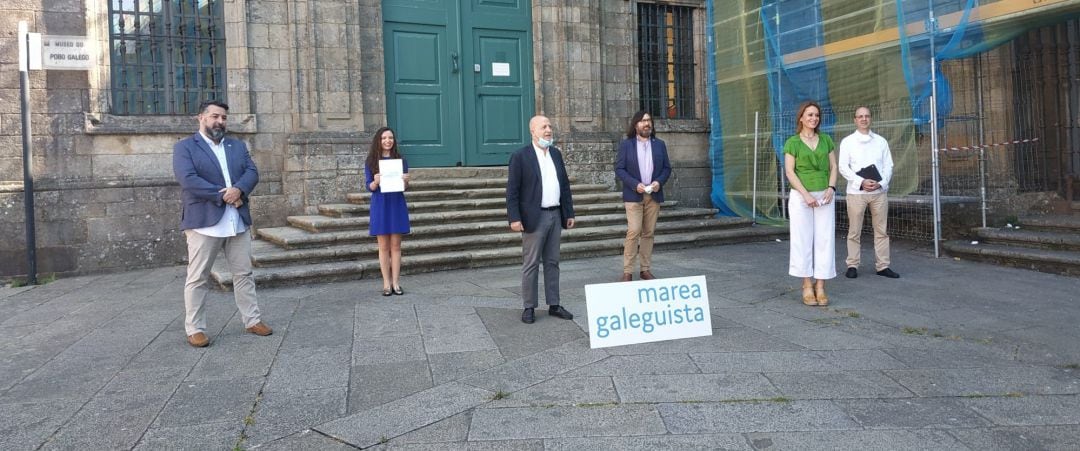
810, 166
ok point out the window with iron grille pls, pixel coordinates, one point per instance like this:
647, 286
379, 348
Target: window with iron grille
166, 55
666, 54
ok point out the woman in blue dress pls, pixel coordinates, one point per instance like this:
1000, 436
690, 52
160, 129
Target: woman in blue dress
389, 213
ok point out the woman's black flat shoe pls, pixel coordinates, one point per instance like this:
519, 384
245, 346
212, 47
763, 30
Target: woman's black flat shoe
386, 292
398, 291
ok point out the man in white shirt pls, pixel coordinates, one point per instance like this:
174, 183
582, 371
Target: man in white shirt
216, 175
859, 151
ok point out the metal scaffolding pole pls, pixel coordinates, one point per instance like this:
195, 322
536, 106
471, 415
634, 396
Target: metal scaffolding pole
935, 162
753, 208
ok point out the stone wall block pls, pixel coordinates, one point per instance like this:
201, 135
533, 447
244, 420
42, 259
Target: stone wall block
274, 123
128, 228
258, 35
279, 37
264, 58
271, 80
111, 166
330, 12
268, 189
61, 233
169, 248
267, 12
331, 35
270, 210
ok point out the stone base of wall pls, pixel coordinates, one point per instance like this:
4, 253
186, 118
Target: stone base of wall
322, 167
89, 227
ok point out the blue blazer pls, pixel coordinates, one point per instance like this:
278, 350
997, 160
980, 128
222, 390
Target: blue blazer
626, 169
524, 189
200, 178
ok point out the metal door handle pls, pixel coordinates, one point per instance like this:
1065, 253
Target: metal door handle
453, 63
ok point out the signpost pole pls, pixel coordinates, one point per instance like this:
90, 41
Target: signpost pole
28, 162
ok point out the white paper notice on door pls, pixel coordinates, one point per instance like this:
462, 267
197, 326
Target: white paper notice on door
390, 176
500, 69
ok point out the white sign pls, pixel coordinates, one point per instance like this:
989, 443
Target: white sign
500, 69
67, 53
28, 42
390, 176
625, 313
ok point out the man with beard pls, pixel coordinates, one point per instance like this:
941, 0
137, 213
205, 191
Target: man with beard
642, 165
539, 205
216, 176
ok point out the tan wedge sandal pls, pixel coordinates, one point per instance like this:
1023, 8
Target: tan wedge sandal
822, 298
808, 297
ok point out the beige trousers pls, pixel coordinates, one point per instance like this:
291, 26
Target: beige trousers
202, 250
879, 212
641, 226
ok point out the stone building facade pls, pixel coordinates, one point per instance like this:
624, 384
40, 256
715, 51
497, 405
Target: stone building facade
306, 84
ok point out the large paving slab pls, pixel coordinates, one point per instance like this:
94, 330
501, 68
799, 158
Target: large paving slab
553, 422
944, 358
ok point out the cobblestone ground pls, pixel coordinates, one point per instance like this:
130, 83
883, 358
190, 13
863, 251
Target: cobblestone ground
953, 355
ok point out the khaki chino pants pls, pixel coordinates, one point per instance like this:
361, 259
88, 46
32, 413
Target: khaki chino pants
202, 250
879, 211
641, 227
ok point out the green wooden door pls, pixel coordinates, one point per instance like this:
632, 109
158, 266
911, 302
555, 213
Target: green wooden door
498, 94
458, 78
420, 41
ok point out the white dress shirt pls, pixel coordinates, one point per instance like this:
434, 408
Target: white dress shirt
549, 179
859, 150
230, 223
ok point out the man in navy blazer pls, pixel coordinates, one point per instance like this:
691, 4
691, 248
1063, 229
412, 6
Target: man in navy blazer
539, 205
643, 167
216, 176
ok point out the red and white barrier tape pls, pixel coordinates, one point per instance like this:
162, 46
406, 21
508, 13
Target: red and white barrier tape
986, 146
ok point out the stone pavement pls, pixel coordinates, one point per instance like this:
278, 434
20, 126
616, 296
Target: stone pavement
954, 355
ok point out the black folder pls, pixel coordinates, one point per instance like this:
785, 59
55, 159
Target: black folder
869, 172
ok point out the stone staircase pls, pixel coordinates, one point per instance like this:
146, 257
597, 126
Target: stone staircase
1049, 243
458, 220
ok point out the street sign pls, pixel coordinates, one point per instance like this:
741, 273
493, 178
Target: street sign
67, 53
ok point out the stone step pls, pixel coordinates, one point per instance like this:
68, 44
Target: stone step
1024, 237
422, 184
345, 210
509, 255
444, 193
294, 238
320, 223
1045, 260
495, 234
1054, 223
455, 173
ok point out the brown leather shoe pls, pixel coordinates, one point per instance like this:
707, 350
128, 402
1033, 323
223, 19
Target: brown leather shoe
647, 275
198, 340
626, 277
260, 329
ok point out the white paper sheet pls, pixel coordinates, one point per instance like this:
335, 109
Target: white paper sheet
390, 176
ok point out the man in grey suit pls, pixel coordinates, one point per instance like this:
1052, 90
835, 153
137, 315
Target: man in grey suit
216, 176
539, 205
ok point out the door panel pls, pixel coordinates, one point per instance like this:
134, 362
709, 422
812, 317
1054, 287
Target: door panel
421, 94
459, 79
500, 95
